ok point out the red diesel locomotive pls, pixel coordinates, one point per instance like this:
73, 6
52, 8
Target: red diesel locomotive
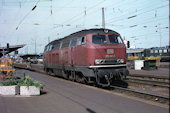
92, 56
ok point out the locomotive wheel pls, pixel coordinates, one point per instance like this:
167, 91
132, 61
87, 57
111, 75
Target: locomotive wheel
80, 78
50, 72
46, 70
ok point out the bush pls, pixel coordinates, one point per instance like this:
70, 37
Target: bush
24, 81
28, 81
9, 82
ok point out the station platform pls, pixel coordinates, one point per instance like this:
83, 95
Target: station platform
63, 96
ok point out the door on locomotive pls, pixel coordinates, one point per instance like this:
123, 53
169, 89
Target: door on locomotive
80, 51
72, 44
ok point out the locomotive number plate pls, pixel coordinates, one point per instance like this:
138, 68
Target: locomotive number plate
110, 51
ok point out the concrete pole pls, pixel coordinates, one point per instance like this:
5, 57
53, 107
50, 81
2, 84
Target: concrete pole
160, 34
103, 18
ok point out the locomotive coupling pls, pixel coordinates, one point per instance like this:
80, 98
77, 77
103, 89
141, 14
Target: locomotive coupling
106, 77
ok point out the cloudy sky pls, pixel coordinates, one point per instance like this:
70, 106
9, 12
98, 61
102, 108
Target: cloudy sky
145, 23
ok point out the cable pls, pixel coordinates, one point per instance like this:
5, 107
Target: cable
27, 15
83, 12
134, 12
77, 15
18, 12
139, 13
141, 23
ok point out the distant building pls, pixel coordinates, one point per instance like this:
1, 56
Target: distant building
139, 53
32, 58
135, 53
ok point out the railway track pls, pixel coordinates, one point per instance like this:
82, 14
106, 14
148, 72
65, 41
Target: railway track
153, 77
156, 81
152, 83
140, 94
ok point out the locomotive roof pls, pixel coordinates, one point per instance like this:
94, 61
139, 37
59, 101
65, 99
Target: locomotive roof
88, 31
85, 32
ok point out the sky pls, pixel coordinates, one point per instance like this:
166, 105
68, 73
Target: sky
145, 23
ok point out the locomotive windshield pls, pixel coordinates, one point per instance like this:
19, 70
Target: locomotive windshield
99, 39
115, 39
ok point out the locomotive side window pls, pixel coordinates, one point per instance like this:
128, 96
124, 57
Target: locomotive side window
115, 39
65, 44
99, 39
79, 41
61, 43
70, 43
56, 45
74, 41
50, 47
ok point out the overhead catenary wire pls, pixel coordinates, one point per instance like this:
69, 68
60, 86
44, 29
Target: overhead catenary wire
137, 10
80, 14
77, 15
11, 32
138, 24
139, 13
51, 15
74, 24
62, 25
27, 15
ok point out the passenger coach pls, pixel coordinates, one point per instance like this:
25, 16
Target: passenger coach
92, 56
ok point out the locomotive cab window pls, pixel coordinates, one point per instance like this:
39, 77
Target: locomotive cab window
99, 39
81, 40
115, 39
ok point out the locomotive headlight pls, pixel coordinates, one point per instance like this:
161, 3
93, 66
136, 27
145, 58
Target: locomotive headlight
121, 60
99, 61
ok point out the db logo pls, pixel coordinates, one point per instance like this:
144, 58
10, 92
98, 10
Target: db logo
110, 51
